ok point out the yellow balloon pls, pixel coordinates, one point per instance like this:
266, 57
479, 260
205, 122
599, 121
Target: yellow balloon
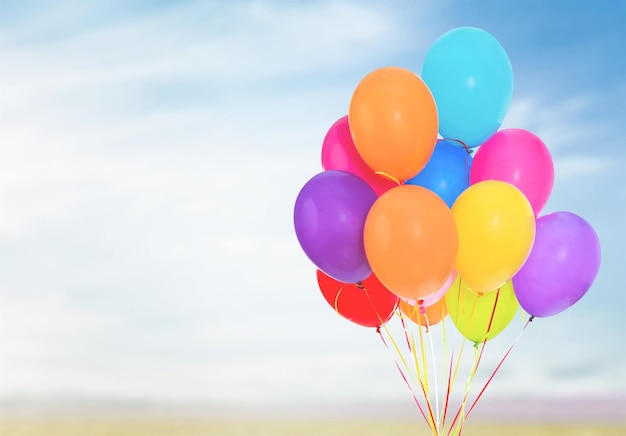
473, 312
496, 227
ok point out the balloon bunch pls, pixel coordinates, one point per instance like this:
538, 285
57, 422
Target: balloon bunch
405, 219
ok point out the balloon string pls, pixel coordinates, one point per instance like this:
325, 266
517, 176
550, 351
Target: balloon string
412, 347
336, 305
425, 385
460, 302
444, 360
458, 362
460, 307
500, 364
367, 294
444, 357
477, 358
388, 176
421, 377
406, 381
448, 391
443, 331
467, 149
460, 413
493, 312
397, 349
480, 355
406, 332
432, 351
424, 365
467, 168
469, 153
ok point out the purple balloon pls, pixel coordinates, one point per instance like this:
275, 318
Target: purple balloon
329, 217
561, 267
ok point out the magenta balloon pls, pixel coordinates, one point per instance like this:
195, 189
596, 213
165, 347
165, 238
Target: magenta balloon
339, 153
520, 158
329, 217
561, 267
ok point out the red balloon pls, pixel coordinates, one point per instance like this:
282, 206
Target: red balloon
369, 303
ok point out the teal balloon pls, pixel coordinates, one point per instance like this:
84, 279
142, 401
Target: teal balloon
471, 79
447, 171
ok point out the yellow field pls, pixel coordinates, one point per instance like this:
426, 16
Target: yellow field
86, 427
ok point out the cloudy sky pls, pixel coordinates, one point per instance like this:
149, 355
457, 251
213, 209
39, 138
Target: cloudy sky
151, 154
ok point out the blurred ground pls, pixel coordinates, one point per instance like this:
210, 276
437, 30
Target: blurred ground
90, 427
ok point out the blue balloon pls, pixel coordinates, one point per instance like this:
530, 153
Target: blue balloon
447, 171
471, 79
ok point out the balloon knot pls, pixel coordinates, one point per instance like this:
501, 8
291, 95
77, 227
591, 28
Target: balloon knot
532, 317
378, 329
359, 285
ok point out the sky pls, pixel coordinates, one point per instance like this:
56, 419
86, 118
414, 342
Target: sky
151, 154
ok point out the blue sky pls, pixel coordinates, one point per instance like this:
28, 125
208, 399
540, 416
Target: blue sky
151, 156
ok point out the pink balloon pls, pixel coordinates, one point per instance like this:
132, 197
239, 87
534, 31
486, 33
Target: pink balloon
520, 158
339, 153
433, 298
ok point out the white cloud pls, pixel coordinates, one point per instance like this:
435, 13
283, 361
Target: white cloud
559, 124
41, 332
572, 132
580, 166
219, 45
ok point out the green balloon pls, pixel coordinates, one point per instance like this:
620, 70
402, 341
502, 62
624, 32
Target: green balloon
473, 313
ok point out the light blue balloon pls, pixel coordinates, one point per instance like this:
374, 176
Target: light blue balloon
471, 79
447, 171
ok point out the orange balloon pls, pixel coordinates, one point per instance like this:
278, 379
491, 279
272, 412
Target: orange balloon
432, 314
411, 241
393, 120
